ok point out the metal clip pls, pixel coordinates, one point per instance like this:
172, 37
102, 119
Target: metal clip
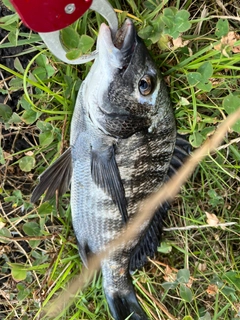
52, 39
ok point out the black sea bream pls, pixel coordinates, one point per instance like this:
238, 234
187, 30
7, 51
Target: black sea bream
123, 147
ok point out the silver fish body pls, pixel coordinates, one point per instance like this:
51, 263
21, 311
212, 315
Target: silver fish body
122, 143
124, 146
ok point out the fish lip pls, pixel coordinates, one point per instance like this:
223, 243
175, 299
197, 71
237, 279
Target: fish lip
125, 38
123, 43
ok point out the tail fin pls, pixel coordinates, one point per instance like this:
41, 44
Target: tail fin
125, 306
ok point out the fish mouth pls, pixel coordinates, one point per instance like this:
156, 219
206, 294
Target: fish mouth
125, 39
117, 51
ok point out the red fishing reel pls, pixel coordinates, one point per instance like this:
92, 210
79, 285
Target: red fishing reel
47, 17
50, 15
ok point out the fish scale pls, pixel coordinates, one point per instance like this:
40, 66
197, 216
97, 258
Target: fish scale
125, 128
124, 146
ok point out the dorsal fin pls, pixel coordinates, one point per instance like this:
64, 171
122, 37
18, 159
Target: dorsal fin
105, 174
56, 177
149, 242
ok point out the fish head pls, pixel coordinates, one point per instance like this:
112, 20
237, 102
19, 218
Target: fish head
124, 84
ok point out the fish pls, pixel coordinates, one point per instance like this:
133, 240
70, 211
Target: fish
123, 147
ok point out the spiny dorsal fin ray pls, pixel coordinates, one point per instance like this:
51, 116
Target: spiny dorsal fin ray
150, 240
106, 175
56, 177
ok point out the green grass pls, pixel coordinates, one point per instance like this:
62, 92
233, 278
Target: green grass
42, 258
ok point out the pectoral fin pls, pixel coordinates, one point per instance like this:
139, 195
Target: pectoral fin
56, 177
106, 175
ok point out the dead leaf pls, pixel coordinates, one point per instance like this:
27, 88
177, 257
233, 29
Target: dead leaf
179, 43
212, 290
190, 282
201, 266
229, 40
170, 275
212, 219
28, 153
2, 224
7, 156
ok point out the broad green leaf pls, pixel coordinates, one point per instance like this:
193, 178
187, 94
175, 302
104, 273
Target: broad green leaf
185, 293
17, 194
17, 273
146, 32
217, 281
164, 247
74, 54
3, 91
222, 28
50, 70
205, 86
2, 159
25, 104
46, 138
34, 243
206, 70
18, 66
44, 126
15, 198
181, 21
196, 139
30, 116
200, 80
150, 5
32, 228
85, 43
8, 20
194, 78
45, 209
9, 5
27, 163
215, 199
230, 104
11, 27
23, 292
16, 84
5, 233
169, 285
187, 318
208, 130
40, 73
183, 276
226, 290
41, 61
207, 316
5, 112
233, 277
70, 38
173, 32
13, 37
168, 17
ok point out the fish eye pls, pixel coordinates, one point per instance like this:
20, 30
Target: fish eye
145, 85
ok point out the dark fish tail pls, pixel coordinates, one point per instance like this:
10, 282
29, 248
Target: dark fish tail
124, 305
119, 290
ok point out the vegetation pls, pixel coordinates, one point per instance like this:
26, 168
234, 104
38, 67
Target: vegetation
196, 273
